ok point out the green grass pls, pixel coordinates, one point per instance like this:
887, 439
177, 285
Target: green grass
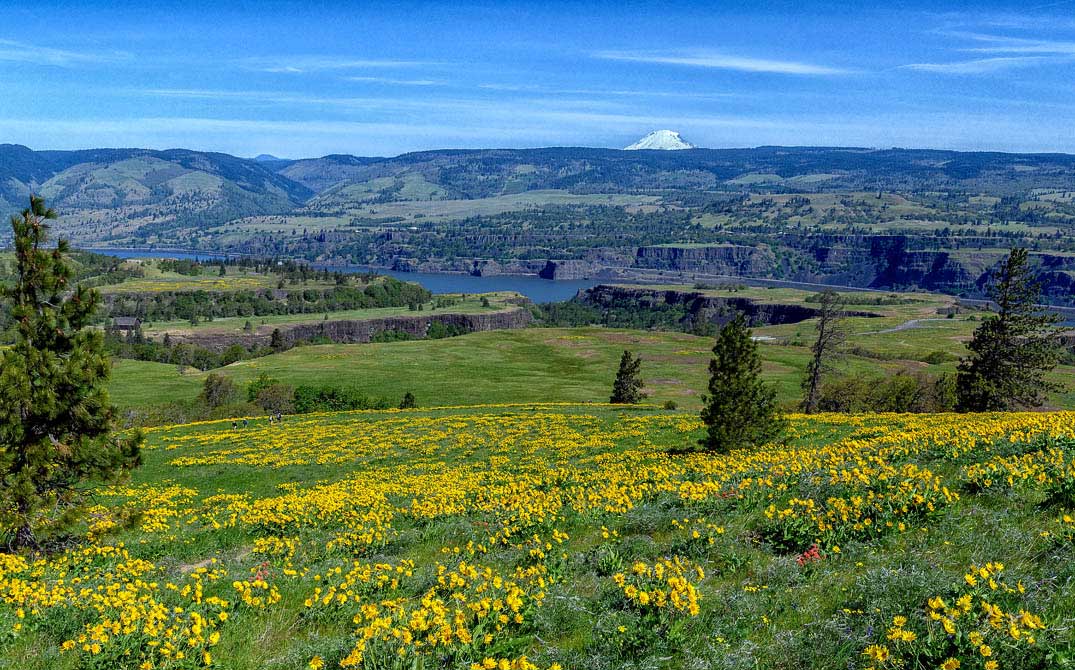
527, 365
472, 304
351, 199
236, 278
445, 480
142, 383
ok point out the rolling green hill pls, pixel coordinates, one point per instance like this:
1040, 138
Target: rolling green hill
111, 193
543, 365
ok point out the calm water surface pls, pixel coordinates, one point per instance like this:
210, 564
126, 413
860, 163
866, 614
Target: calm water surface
535, 288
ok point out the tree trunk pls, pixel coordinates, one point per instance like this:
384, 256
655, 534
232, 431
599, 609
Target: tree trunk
24, 538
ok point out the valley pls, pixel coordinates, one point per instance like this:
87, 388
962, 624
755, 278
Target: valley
884, 219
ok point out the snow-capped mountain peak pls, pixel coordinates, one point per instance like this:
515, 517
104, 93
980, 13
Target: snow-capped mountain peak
667, 140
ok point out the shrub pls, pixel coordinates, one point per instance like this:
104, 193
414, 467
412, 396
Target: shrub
333, 399
218, 390
901, 392
276, 398
939, 357
262, 381
438, 330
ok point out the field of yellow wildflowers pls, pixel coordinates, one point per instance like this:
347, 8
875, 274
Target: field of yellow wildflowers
512, 537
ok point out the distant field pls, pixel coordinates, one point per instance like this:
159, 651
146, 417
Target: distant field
873, 212
451, 209
414, 212
236, 325
236, 278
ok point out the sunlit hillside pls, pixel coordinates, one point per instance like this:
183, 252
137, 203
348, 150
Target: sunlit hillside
570, 536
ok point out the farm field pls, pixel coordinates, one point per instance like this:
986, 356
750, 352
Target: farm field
566, 536
349, 202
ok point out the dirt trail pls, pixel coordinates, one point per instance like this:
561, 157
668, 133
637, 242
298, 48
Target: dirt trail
906, 325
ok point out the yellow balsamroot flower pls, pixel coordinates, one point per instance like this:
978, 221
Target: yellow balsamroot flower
985, 624
667, 584
316, 663
877, 653
540, 465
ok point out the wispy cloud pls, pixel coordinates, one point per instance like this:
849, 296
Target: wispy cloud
1006, 53
370, 103
709, 59
305, 64
1002, 44
978, 65
20, 52
279, 98
535, 89
398, 82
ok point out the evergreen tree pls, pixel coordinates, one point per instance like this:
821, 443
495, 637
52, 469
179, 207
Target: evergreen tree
1013, 349
830, 335
276, 341
740, 410
408, 402
56, 422
627, 389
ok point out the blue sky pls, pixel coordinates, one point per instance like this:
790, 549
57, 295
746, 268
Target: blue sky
370, 78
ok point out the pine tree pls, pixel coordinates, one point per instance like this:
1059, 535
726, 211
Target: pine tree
627, 389
830, 335
408, 402
740, 410
276, 340
1013, 349
56, 422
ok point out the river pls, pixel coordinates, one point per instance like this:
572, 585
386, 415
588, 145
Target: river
537, 289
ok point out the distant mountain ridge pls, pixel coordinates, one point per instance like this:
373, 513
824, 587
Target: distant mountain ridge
117, 178
106, 194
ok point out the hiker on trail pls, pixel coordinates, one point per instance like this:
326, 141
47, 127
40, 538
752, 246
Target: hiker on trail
245, 423
234, 425
271, 417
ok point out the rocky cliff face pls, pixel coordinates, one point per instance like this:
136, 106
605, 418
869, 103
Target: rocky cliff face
567, 270
474, 267
361, 331
867, 261
717, 259
717, 309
